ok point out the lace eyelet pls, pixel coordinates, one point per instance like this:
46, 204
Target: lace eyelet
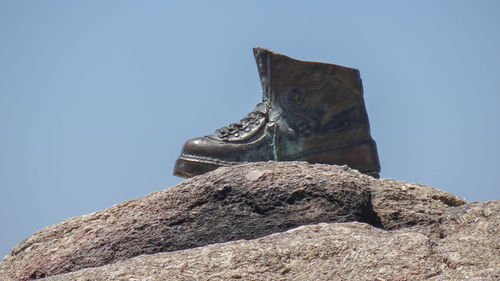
245, 125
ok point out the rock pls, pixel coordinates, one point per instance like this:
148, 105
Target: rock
467, 246
469, 239
400, 204
242, 202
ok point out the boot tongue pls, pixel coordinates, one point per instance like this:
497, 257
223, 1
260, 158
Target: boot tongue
263, 60
262, 107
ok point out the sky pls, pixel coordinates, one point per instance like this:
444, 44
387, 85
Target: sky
98, 97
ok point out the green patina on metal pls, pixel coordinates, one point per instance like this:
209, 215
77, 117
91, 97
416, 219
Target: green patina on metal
310, 111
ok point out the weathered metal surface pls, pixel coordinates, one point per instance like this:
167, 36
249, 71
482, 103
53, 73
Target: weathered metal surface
310, 111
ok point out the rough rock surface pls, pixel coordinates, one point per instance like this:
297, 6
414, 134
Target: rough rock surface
241, 202
464, 245
400, 204
422, 225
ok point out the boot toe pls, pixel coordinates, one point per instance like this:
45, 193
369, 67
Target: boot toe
195, 146
198, 156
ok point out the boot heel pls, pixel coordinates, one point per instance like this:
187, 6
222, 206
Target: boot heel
361, 156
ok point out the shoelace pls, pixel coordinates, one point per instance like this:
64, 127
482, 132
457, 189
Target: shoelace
242, 126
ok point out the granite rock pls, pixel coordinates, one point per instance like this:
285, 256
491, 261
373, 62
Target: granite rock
243, 202
463, 245
401, 204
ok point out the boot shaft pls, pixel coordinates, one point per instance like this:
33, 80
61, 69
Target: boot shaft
314, 105
278, 72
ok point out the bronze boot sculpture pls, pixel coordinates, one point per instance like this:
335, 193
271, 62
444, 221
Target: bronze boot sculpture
310, 111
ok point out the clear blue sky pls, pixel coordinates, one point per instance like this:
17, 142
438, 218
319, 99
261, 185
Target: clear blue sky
97, 97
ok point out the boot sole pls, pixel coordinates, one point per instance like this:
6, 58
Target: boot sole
360, 156
186, 168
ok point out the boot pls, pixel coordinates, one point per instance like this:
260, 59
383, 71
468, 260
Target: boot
310, 111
